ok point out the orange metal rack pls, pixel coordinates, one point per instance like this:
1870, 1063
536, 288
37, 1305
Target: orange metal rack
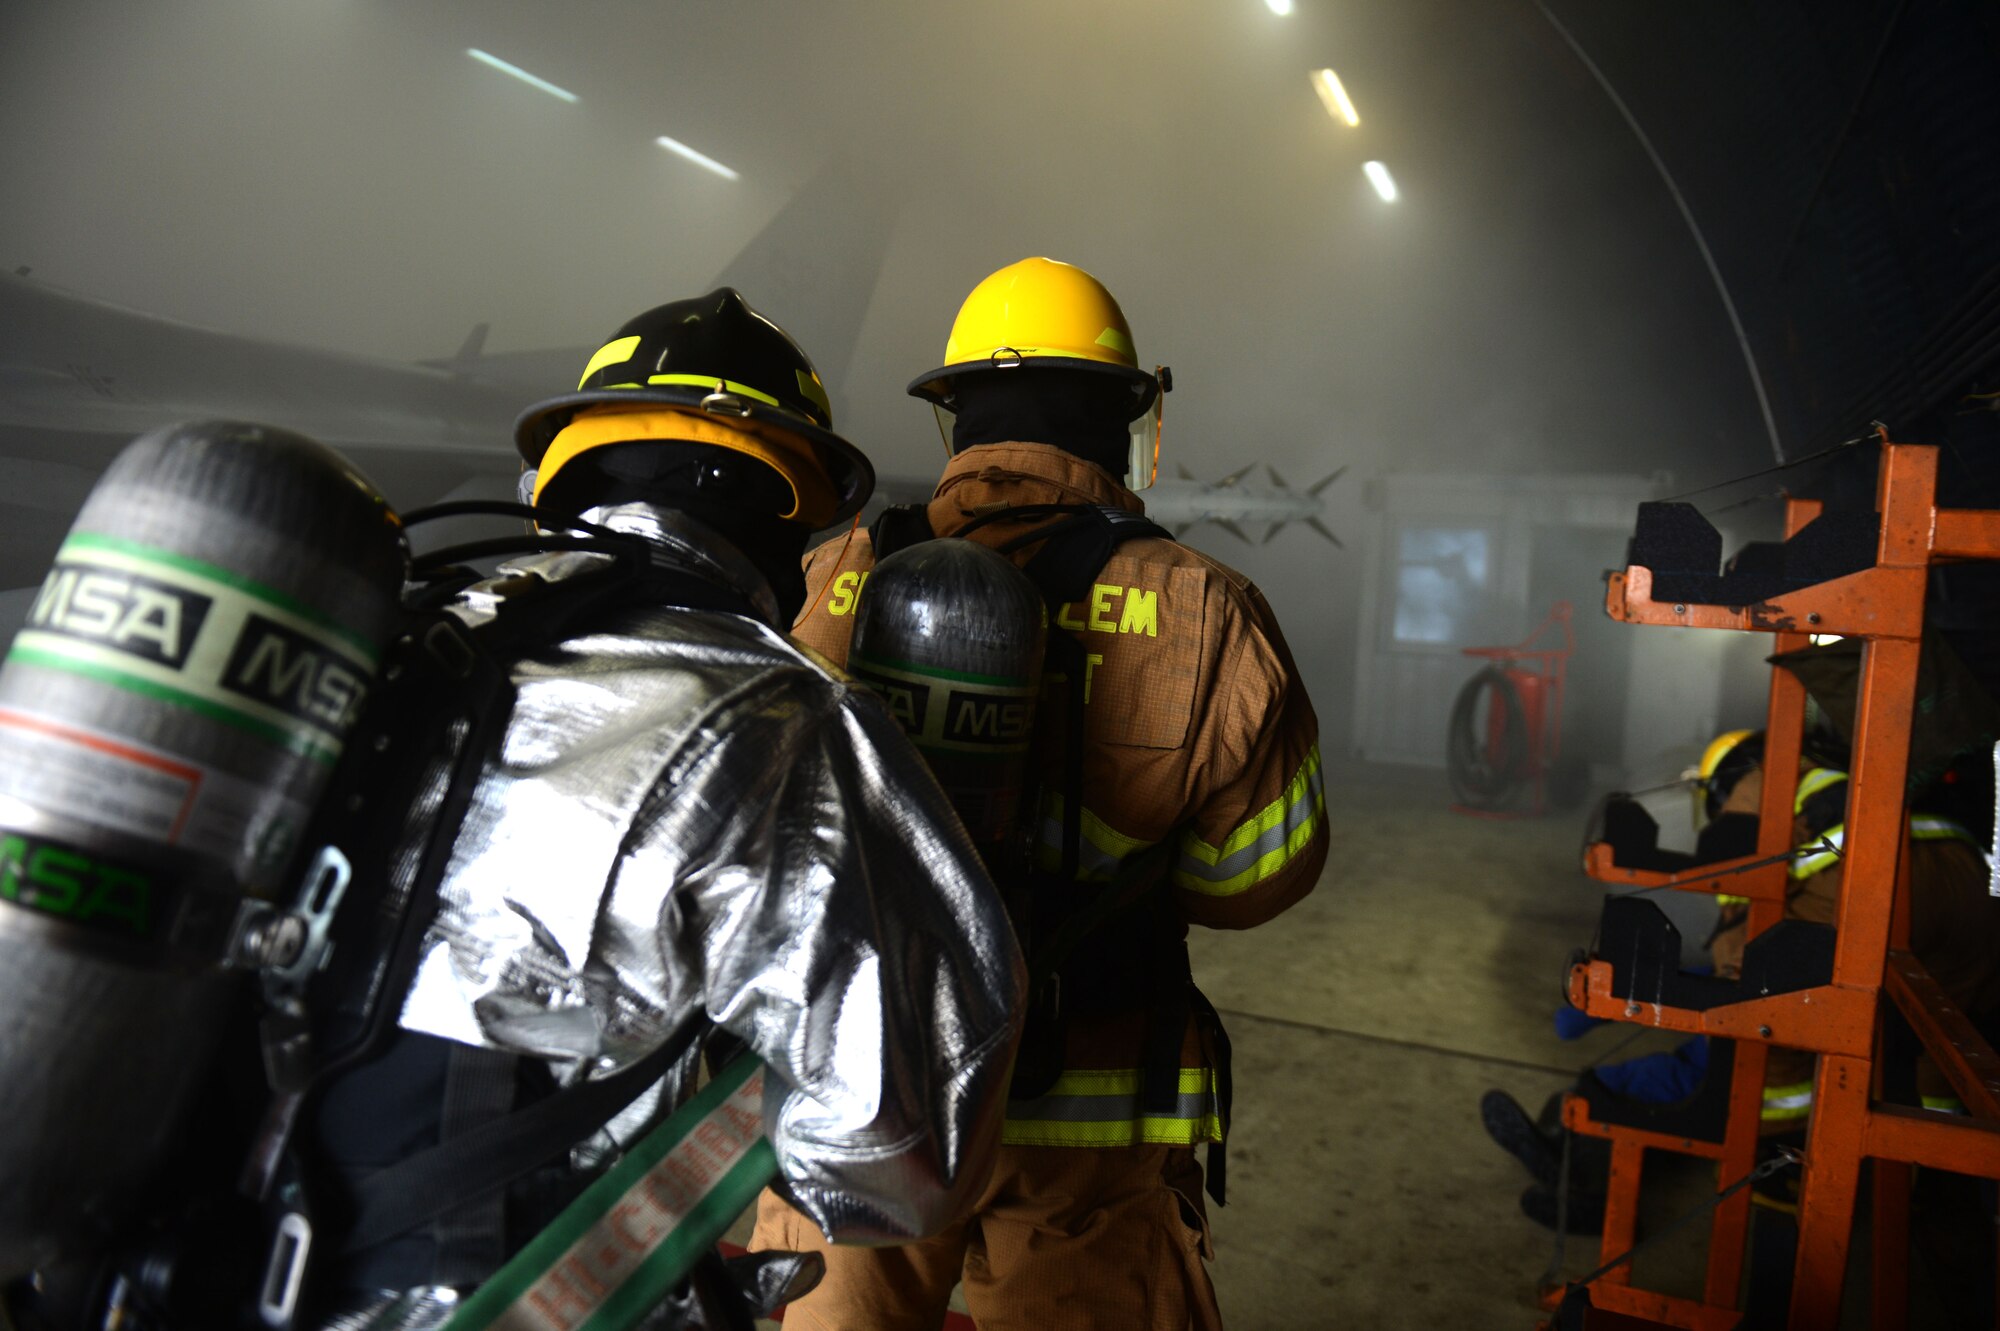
1840, 1021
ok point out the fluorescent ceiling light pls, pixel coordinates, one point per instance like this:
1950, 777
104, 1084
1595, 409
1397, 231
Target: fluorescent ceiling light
1279, 7
516, 72
1338, 104
699, 159
1378, 176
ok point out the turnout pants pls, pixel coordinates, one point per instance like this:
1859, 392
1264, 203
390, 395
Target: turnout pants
1072, 1237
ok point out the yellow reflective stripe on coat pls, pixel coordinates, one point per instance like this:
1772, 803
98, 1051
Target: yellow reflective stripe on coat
1262, 847
1822, 852
1930, 827
1100, 1107
1785, 1102
1812, 783
1100, 850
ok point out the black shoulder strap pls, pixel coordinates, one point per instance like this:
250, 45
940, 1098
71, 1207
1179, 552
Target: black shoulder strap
899, 527
479, 1088
1075, 548
420, 1188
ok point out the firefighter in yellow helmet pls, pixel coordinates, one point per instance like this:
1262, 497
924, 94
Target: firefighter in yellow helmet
1176, 754
1954, 931
1954, 922
1723, 763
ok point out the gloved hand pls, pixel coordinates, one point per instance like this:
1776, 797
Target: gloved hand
725, 1294
770, 1280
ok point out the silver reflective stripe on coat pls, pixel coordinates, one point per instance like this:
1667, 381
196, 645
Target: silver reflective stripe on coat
1262, 847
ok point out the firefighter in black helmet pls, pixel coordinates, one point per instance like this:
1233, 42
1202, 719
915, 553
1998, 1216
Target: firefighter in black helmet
713, 403
687, 819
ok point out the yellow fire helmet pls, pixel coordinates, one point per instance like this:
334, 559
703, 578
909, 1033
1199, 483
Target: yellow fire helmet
1723, 763
1054, 315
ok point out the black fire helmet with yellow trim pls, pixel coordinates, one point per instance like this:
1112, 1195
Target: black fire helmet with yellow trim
716, 357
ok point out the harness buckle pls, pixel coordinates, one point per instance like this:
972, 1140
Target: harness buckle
284, 1270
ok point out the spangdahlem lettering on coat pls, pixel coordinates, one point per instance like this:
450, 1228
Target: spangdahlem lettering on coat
1110, 609
1113, 609
846, 591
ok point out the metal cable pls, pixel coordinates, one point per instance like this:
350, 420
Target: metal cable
1555, 1268
1687, 216
1785, 1158
1881, 432
1822, 844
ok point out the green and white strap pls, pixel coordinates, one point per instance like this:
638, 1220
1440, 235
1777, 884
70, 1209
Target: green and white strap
619, 1249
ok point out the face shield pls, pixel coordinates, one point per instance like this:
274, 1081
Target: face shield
1697, 785
1143, 468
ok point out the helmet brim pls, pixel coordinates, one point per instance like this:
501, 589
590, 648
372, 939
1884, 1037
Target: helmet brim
847, 467
935, 386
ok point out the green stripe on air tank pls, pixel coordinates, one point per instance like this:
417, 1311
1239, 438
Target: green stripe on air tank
300, 741
940, 672
227, 577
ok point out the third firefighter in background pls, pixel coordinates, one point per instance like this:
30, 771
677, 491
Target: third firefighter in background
1197, 732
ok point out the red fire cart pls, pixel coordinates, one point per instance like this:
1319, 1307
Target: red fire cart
1506, 725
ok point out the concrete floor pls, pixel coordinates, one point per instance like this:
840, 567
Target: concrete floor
1367, 1022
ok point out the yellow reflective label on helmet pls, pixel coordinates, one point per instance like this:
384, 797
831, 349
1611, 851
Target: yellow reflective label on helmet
721, 385
1116, 340
815, 392
611, 353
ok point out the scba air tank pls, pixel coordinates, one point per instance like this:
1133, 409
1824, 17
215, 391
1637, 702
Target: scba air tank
169, 714
952, 635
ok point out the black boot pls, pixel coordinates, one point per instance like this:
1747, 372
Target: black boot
1585, 1212
1538, 1148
